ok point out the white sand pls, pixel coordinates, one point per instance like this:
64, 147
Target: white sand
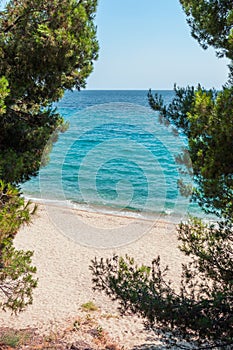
63, 268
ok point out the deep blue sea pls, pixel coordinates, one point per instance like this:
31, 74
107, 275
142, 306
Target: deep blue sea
115, 157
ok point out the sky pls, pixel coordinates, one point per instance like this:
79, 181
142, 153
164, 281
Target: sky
147, 44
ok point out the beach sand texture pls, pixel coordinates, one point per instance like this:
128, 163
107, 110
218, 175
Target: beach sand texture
65, 279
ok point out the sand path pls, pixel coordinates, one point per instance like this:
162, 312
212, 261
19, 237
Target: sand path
63, 270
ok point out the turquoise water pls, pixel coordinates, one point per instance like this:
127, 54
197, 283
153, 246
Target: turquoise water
115, 157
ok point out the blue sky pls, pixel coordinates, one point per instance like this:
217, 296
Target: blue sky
147, 44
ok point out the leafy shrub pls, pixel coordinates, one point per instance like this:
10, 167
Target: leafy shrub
202, 311
16, 271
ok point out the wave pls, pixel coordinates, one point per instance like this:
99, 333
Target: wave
164, 215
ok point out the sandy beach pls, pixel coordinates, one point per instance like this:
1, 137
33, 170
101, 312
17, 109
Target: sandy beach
62, 257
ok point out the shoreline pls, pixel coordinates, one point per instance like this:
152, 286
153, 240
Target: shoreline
64, 275
167, 217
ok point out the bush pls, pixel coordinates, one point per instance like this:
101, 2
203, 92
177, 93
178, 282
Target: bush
202, 311
16, 271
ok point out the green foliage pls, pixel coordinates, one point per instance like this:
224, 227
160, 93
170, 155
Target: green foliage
4, 91
200, 313
46, 47
13, 211
89, 306
16, 278
211, 23
176, 112
16, 271
56, 53
14, 338
137, 288
210, 246
23, 141
10, 338
206, 118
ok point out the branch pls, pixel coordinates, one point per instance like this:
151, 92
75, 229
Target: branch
18, 19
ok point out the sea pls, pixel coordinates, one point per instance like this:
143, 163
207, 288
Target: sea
115, 157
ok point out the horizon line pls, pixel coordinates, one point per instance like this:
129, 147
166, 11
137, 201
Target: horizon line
91, 89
